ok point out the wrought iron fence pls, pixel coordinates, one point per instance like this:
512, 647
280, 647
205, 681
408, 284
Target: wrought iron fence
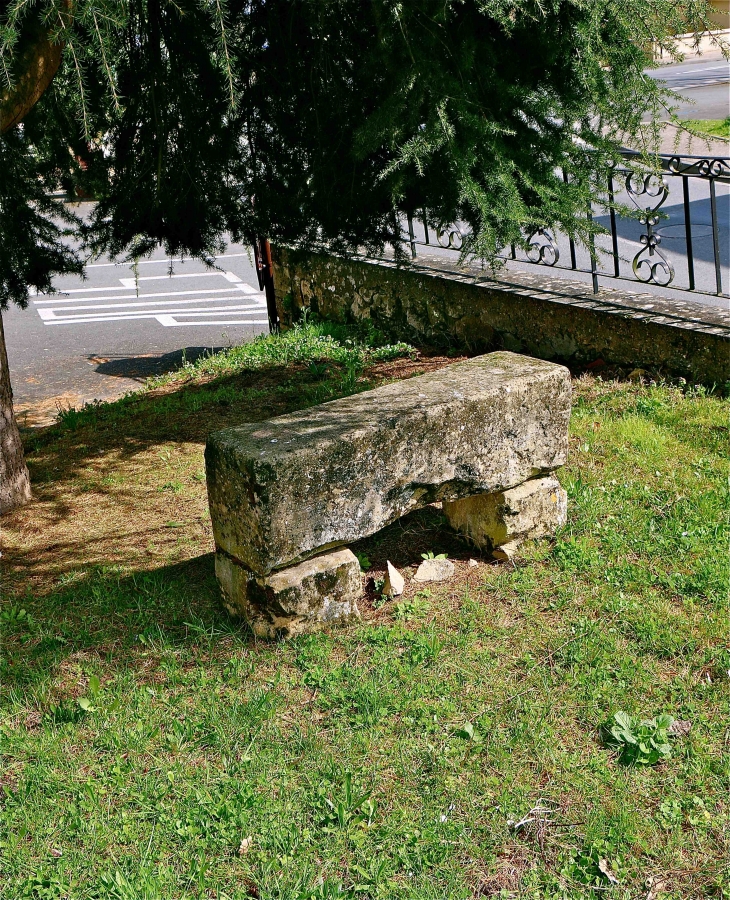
669, 243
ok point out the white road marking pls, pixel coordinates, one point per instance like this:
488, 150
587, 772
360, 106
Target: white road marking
244, 310
247, 289
133, 282
182, 308
232, 290
98, 289
160, 314
49, 315
690, 70
137, 303
168, 320
164, 259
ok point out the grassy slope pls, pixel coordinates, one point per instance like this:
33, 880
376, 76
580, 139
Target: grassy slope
344, 757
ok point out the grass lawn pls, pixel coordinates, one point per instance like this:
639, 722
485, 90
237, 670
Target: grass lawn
718, 128
450, 746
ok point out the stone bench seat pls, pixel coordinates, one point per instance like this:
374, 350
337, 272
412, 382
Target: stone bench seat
296, 486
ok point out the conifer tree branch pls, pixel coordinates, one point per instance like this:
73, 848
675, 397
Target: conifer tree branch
102, 48
224, 46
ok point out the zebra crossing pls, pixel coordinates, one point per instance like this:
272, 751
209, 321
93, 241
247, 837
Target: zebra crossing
210, 297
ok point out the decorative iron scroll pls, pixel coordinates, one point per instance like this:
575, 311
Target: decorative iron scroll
542, 248
647, 182
650, 265
715, 167
705, 167
450, 238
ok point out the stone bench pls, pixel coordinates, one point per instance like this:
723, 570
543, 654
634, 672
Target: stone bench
482, 436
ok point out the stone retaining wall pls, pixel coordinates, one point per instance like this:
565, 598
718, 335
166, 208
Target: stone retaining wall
436, 302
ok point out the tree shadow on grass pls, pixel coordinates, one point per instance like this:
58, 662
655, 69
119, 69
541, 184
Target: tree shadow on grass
179, 412
124, 620
124, 483
104, 615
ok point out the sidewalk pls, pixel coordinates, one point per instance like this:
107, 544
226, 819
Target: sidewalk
673, 140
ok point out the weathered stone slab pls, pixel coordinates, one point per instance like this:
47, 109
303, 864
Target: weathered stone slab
302, 598
282, 490
530, 510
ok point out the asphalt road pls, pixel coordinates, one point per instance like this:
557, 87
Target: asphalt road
705, 83
102, 336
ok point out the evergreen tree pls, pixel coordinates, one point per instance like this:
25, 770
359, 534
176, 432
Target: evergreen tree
308, 121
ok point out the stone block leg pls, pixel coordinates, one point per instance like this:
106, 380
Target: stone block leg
504, 519
295, 600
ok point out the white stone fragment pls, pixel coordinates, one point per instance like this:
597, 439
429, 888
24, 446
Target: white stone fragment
506, 552
434, 570
394, 582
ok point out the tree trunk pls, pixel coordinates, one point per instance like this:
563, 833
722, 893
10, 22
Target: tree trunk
37, 66
14, 478
41, 65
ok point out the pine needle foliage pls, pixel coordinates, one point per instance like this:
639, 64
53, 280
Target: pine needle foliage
311, 121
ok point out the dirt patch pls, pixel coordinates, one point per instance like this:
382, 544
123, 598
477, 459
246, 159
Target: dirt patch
407, 368
42, 413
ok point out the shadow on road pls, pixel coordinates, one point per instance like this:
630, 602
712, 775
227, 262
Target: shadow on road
141, 367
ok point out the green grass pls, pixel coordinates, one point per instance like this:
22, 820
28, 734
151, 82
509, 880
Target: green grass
719, 128
313, 342
334, 355
400, 758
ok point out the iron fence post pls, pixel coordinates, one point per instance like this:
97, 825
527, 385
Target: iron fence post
614, 235
592, 251
688, 233
715, 237
411, 236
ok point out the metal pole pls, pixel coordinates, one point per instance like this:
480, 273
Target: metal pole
411, 237
592, 248
571, 242
688, 233
715, 237
265, 274
614, 236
